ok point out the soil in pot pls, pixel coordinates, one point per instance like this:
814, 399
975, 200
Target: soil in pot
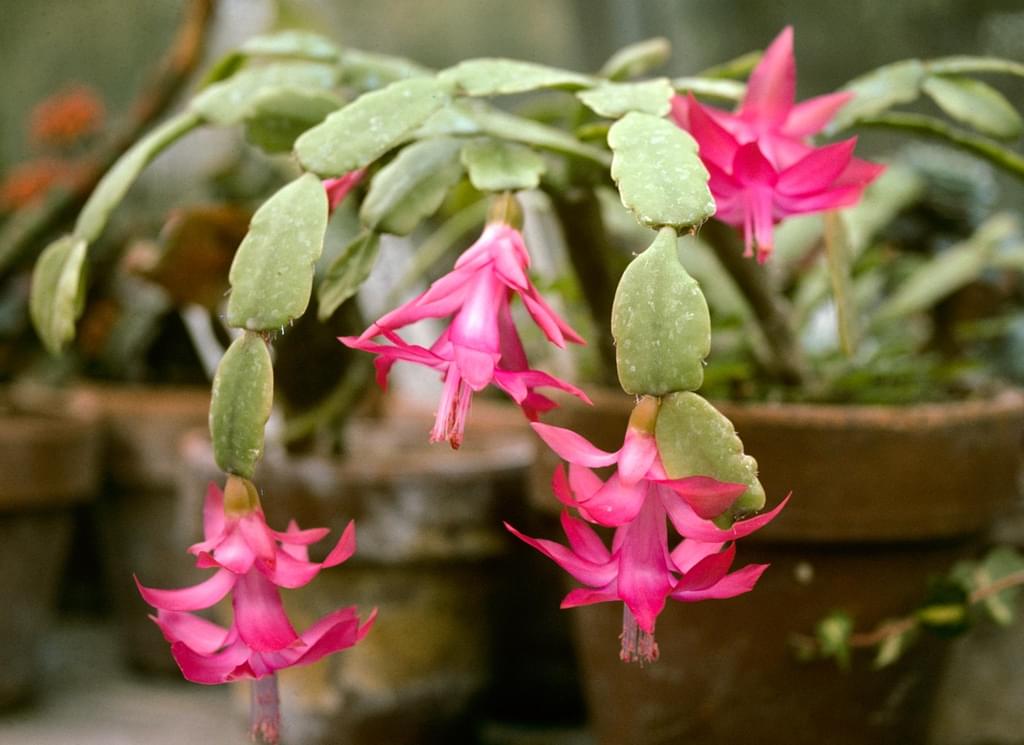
428, 526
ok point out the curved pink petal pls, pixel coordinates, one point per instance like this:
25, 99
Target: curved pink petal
212, 669
616, 503
707, 496
475, 367
405, 352
587, 596
573, 447
232, 553
639, 452
843, 196
259, 616
810, 117
690, 551
751, 167
344, 548
213, 513
716, 145
203, 595
645, 576
202, 636
555, 329
583, 481
818, 170
859, 173
681, 111
737, 583
299, 537
338, 188
771, 88
584, 541
708, 571
587, 572
690, 525
291, 572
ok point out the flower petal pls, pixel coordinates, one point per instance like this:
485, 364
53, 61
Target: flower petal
707, 571
573, 447
587, 572
587, 596
200, 635
344, 548
259, 615
818, 170
616, 503
212, 669
690, 525
707, 496
583, 540
690, 551
737, 583
771, 88
213, 513
716, 144
810, 117
645, 575
639, 452
206, 593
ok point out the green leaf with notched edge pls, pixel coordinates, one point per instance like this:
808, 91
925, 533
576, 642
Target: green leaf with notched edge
57, 292
494, 165
975, 103
279, 115
243, 392
636, 59
229, 101
346, 273
116, 182
358, 134
272, 273
695, 439
492, 76
660, 323
412, 186
660, 177
614, 100
878, 90
292, 43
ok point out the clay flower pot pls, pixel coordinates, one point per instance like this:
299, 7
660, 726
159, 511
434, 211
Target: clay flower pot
141, 430
883, 498
49, 464
429, 534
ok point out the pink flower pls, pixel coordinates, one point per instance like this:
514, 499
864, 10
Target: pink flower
338, 188
252, 562
761, 165
640, 570
480, 346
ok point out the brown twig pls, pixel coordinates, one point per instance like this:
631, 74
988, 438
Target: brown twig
30, 225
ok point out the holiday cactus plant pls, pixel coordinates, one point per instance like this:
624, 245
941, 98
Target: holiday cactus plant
393, 141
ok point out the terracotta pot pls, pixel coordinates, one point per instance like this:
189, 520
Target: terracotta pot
883, 498
428, 525
142, 428
49, 464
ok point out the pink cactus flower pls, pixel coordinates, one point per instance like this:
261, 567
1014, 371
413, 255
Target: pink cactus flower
481, 345
338, 188
762, 166
252, 562
640, 570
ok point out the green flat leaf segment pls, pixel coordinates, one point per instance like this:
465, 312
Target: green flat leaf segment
695, 439
637, 59
614, 100
243, 393
358, 134
229, 101
292, 43
277, 116
730, 90
272, 273
878, 90
412, 186
976, 104
494, 165
57, 292
660, 323
116, 182
660, 176
496, 77
346, 273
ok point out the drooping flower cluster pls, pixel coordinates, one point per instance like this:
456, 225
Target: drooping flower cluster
252, 562
641, 569
480, 345
762, 166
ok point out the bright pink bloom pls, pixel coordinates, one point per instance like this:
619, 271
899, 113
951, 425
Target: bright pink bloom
481, 345
640, 570
761, 165
338, 188
252, 562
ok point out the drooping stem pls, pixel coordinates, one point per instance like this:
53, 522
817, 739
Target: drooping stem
637, 644
596, 263
770, 309
265, 711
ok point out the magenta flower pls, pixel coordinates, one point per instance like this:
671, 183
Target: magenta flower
762, 167
640, 570
338, 188
252, 562
481, 345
